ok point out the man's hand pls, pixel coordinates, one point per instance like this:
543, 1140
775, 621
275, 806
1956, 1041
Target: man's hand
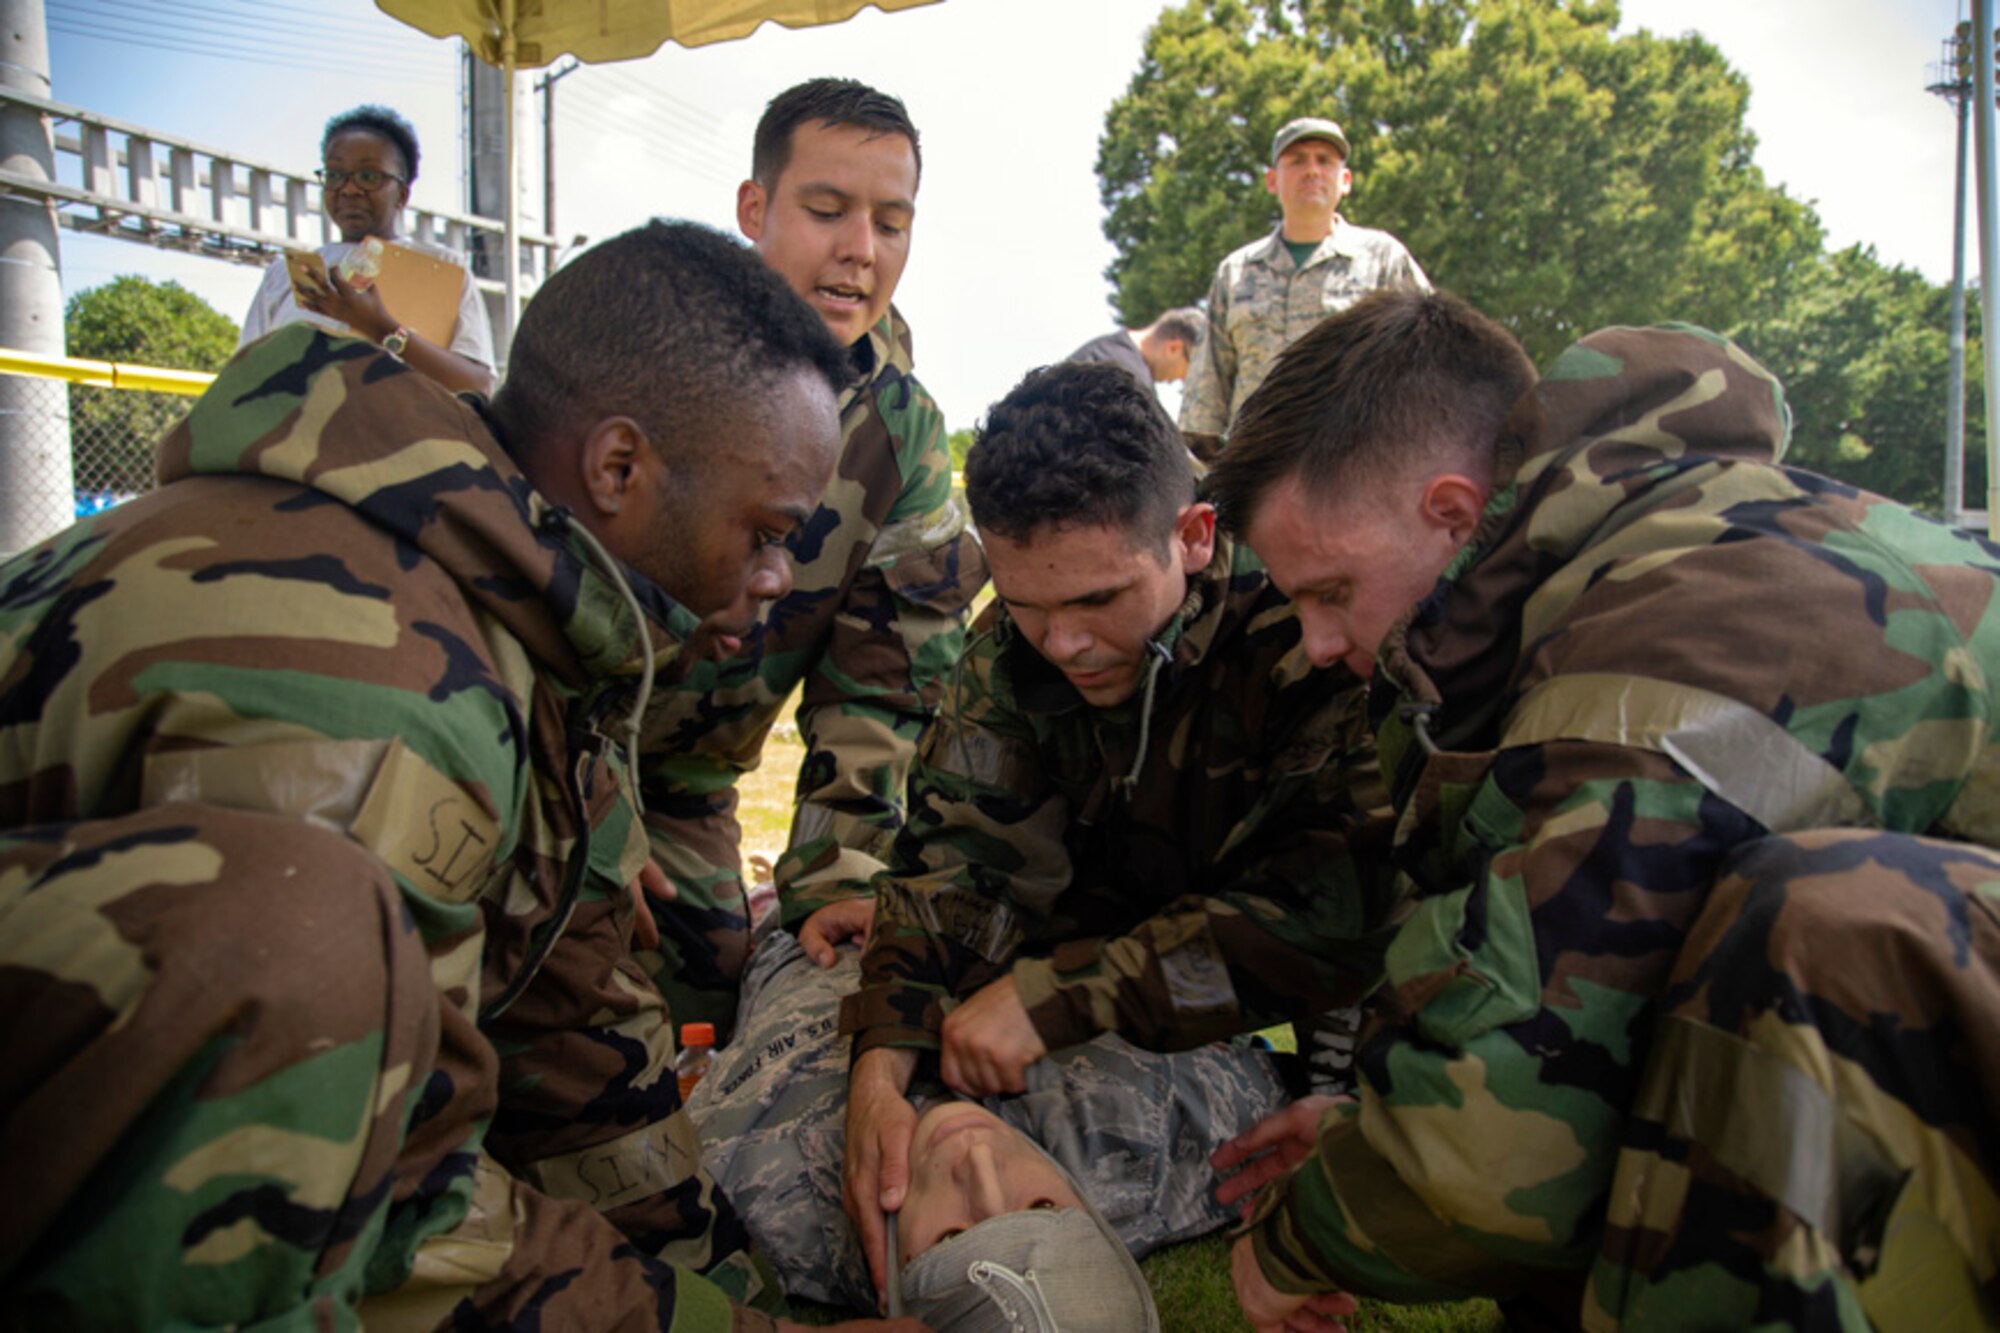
880, 1121
652, 881
1269, 1148
989, 1042
849, 919
1272, 1311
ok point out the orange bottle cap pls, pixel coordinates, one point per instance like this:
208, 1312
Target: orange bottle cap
697, 1034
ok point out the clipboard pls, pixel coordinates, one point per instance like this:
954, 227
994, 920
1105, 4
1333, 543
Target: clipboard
421, 290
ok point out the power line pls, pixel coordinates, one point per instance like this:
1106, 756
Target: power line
603, 124
694, 112
201, 23
381, 31
254, 55
650, 111
693, 152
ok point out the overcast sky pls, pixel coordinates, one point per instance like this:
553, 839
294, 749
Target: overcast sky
1010, 95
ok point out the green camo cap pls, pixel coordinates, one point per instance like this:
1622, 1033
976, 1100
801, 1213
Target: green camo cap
1309, 127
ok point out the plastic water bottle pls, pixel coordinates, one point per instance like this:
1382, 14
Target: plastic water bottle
697, 1050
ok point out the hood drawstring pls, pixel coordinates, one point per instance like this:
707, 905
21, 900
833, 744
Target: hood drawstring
610, 569
1163, 656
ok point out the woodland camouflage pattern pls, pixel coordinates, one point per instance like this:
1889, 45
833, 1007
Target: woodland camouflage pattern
1134, 1128
314, 977
1203, 860
883, 574
1659, 650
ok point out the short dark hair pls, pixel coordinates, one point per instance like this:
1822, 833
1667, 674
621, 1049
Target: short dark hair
671, 324
1398, 377
376, 120
1081, 444
1186, 323
828, 102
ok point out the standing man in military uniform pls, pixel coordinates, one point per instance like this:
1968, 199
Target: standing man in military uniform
1271, 291
1696, 1019
883, 571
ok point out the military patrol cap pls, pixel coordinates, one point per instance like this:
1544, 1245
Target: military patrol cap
1308, 127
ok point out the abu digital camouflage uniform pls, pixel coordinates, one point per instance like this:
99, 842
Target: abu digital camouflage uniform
1660, 745
1135, 1129
314, 978
883, 574
1260, 303
1204, 859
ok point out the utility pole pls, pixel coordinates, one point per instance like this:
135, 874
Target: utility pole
1989, 242
1951, 79
37, 490
547, 88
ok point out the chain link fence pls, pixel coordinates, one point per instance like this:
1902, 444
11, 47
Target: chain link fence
112, 436
70, 449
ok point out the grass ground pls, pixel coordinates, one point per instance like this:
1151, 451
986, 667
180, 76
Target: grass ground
1190, 1282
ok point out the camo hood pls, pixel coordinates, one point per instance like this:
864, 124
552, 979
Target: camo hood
1608, 435
430, 468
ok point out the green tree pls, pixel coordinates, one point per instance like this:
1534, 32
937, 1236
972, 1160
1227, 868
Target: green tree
138, 322
959, 442
1559, 177
1863, 351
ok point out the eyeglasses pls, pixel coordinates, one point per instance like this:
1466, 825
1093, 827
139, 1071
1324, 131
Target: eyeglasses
367, 178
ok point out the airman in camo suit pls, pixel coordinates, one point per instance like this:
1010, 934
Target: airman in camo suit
882, 573
1134, 1128
314, 970
1268, 293
1699, 795
1140, 811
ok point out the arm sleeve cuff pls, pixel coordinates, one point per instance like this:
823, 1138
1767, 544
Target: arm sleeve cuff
1061, 1015
893, 1015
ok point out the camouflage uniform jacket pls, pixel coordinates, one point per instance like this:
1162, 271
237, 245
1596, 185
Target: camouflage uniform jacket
343, 610
1659, 647
883, 574
1135, 1129
1191, 864
1261, 302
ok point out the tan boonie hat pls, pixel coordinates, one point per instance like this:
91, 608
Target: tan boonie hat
1050, 1270
1309, 127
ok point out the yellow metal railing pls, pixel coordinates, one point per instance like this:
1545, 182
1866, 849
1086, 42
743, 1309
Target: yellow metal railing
104, 374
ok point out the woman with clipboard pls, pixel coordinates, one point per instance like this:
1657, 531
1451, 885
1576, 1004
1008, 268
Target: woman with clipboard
369, 159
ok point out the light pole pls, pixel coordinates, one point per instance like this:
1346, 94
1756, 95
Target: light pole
1951, 79
1989, 239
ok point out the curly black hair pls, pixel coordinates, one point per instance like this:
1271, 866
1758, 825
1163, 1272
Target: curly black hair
1078, 445
672, 324
376, 120
825, 102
